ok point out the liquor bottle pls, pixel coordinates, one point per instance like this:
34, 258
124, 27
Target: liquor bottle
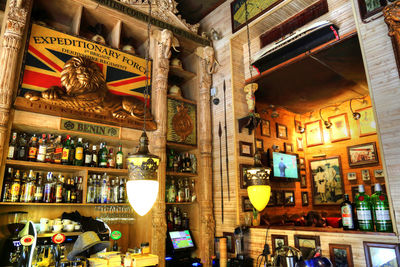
176, 163
23, 147
66, 151
380, 208
59, 189
68, 190
193, 192
122, 192
103, 156
103, 190
33, 148
114, 190
6, 196
50, 148
78, 158
15, 187
171, 156
26, 187
58, 150
47, 192
95, 158
88, 156
24, 180
108, 192
79, 189
98, 189
187, 164
120, 158
346, 210
193, 160
186, 190
71, 153
41, 155
185, 221
171, 194
180, 196
363, 209
111, 159
12, 148
72, 187
39, 190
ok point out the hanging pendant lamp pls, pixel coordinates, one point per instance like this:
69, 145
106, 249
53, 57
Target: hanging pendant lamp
142, 186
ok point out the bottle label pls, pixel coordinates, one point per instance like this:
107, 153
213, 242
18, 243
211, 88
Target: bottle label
58, 154
364, 215
65, 154
382, 215
79, 153
11, 150
41, 153
38, 194
88, 158
59, 193
32, 152
94, 158
15, 190
347, 219
119, 159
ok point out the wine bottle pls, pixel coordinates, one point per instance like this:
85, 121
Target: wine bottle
363, 209
346, 210
380, 208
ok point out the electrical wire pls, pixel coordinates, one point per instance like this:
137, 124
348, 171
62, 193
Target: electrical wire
265, 253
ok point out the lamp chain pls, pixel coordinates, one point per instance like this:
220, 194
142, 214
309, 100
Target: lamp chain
146, 90
248, 39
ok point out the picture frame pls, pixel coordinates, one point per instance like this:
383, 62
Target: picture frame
246, 204
302, 163
341, 255
354, 192
259, 144
278, 241
230, 241
365, 175
265, 128
306, 244
327, 181
362, 155
351, 176
381, 254
289, 199
366, 123
279, 198
272, 199
314, 134
303, 180
340, 129
379, 173
245, 149
288, 147
242, 170
304, 199
281, 131
299, 142
297, 126
238, 19
370, 8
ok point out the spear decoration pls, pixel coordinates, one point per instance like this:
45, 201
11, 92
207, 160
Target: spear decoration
226, 146
220, 163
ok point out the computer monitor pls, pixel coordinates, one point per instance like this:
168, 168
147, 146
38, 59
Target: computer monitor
181, 240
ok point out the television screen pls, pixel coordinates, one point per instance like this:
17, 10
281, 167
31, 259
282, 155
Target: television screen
181, 239
285, 165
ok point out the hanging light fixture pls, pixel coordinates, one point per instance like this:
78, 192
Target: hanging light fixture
328, 124
142, 186
356, 115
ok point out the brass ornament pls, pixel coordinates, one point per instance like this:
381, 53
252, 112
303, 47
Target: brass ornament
84, 88
182, 123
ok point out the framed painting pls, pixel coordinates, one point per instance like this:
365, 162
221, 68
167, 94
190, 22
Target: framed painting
246, 204
255, 8
327, 181
314, 136
370, 8
362, 155
366, 123
340, 129
304, 199
298, 126
288, 198
379, 174
245, 149
302, 163
230, 241
265, 128
279, 198
260, 144
341, 255
299, 141
351, 176
306, 244
381, 254
181, 122
303, 180
281, 131
278, 241
288, 147
242, 169
365, 175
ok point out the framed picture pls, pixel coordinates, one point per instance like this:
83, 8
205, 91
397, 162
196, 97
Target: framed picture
341, 255
288, 198
351, 176
340, 129
246, 204
369, 8
279, 198
304, 198
327, 181
365, 175
366, 123
379, 174
303, 180
297, 126
230, 242
306, 244
265, 128
288, 147
272, 199
381, 254
255, 8
314, 135
242, 169
281, 131
181, 122
278, 241
354, 192
302, 163
245, 149
383, 189
260, 144
299, 141
362, 155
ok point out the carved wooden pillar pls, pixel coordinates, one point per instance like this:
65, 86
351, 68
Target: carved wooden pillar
15, 21
207, 228
392, 16
161, 45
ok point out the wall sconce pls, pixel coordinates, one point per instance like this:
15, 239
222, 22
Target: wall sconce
274, 113
327, 124
214, 35
299, 127
356, 115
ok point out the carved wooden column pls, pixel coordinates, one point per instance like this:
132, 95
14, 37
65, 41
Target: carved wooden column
15, 21
392, 18
160, 48
207, 228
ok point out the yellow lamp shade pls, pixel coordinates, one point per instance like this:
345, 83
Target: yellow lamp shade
259, 195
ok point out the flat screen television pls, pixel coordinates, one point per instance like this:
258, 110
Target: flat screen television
284, 166
181, 240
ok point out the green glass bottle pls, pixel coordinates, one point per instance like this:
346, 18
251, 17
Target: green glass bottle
380, 208
363, 210
103, 155
66, 151
78, 158
120, 158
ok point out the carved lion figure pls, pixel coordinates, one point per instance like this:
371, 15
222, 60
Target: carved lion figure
84, 88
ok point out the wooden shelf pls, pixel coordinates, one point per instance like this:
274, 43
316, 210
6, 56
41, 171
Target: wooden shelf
181, 73
62, 168
181, 147
60, 204
182, 174
179, 203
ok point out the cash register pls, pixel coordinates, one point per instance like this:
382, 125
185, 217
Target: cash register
179, 247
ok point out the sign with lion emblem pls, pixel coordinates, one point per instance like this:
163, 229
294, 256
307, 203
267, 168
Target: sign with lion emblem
181, 122
72, 77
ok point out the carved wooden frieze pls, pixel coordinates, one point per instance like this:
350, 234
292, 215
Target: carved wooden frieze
392, 19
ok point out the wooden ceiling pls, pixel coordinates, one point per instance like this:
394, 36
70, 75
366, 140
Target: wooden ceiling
194, 10
333, 75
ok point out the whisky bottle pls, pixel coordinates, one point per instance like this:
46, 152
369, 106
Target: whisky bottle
94, 157
23, 147
71, 153
47, 191
363, 209
111, 159
59, 189
103, 156
66, 151
193, 192
78, 158
6, 196
346, 209
187, 191
380, 208
180, 197
33, 148
50, 148
88, 156
58, 150
15, 187
120, 158
79, 189
122, 191
39, 190
41, 155
12, 148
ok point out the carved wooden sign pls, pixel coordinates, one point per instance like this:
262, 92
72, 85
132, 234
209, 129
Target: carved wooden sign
72, 77
89, 128
181, 122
